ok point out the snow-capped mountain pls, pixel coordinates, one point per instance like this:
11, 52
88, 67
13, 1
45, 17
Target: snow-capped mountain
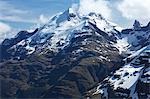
58, 32
73, 53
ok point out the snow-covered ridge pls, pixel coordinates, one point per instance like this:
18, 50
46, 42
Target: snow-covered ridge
125, 81
57, 33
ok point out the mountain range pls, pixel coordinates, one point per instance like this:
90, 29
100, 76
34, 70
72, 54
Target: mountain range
77, 56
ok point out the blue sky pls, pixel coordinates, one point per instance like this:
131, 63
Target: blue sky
16, 15
30, 10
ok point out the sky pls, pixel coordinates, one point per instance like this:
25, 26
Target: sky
16, 15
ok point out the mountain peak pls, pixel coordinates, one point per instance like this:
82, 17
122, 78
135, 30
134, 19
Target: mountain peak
71, 53
136, 25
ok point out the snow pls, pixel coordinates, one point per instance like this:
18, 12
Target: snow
31, 30
105, 26
101, 91
62, 27
63, 33
128, 80
66, 28
122, 44
21, 43
128, 76
103, 58
131, 41
118, 28
137, 52
30, 49
98, 90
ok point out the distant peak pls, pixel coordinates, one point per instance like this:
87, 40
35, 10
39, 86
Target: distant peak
136, 25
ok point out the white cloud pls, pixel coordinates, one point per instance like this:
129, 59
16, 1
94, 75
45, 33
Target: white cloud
5, 30
43, 19
9, 12
135, 9
15, 18
97, 6
7, 9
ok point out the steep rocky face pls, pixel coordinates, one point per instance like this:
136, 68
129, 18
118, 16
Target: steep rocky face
82, 64
132, 79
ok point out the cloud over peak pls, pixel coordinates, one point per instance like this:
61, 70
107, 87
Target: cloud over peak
97, 6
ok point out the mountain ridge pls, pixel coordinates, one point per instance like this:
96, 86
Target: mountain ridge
71, 54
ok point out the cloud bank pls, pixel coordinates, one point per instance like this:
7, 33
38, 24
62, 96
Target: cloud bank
135, 9
97, 6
